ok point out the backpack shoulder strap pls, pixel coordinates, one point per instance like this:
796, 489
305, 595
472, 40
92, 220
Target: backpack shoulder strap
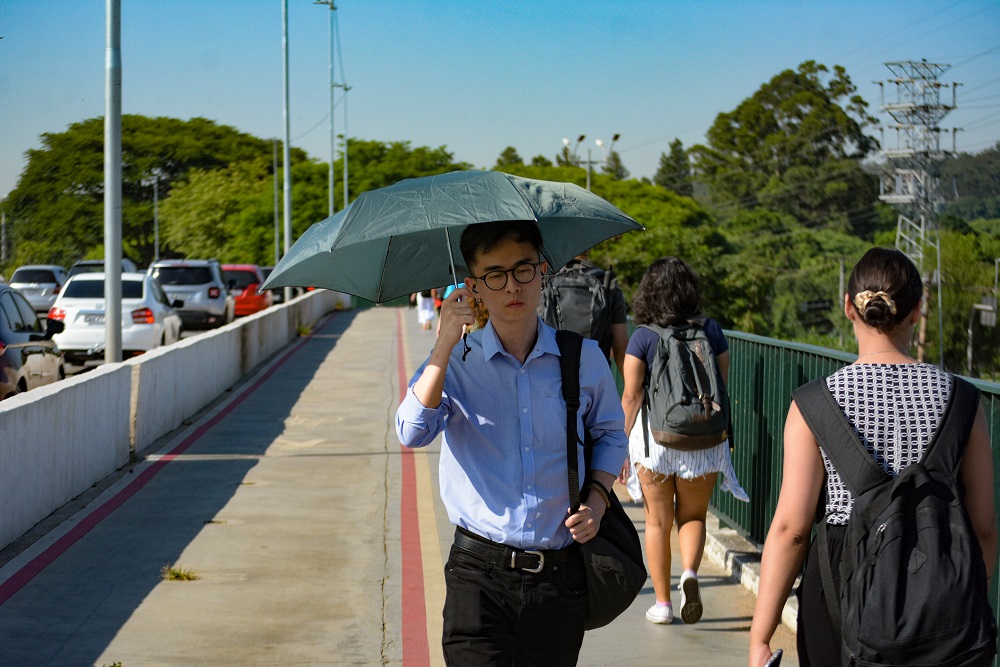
570, 345
835, 434
954, 429
854, 464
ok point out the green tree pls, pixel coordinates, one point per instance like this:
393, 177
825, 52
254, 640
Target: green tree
614, 168
976, 179
509, 157
795, 147
56, 212
674, 172
541, 161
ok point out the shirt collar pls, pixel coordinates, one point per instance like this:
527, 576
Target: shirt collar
546, 343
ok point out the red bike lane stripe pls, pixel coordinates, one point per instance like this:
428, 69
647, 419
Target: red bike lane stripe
35, 566
416, 652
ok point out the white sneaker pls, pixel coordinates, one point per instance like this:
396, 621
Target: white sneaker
691, 608
661, 615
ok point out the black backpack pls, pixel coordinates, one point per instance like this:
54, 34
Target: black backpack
913, 582
685, 398
578, 298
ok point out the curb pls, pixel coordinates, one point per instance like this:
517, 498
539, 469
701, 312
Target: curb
741, 559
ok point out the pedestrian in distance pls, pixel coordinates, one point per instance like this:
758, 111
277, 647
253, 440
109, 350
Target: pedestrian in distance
674, 484
425, 309
516, 591
894, 414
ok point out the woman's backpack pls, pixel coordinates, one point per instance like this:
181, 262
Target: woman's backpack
685, 398
913, 581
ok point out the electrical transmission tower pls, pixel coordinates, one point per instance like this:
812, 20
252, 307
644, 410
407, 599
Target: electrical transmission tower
912, 184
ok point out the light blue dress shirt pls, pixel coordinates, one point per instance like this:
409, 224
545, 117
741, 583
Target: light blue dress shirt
503, 471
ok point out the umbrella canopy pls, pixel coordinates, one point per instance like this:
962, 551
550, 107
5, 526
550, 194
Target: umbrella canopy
404, 238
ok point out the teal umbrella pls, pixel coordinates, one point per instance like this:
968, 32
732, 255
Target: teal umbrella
404, 238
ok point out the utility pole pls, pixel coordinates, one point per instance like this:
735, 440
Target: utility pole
113, 183
3, 237
287, 148
912, 184
333, 86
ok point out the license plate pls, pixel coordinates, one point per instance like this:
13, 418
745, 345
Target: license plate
93, 319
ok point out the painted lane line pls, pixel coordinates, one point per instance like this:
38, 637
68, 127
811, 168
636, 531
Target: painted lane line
414, 613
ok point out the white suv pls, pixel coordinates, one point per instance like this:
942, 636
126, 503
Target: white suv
198, 283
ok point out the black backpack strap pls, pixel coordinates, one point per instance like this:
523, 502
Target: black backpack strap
849, 456
955, 427
570, 345
835, 434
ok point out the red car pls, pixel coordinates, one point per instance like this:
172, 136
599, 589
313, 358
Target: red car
243, 281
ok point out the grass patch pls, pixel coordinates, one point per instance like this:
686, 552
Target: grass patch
176, 573
303, 330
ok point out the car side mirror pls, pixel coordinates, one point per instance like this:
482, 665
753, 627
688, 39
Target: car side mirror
178, 303
53, 327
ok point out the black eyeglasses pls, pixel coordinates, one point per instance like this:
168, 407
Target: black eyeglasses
523, 273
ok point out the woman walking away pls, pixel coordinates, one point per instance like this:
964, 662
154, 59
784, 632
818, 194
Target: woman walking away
674, 484
895, 408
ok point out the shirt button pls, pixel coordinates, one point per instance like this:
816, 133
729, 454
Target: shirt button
522, 371
524, 409
527, 525
529, 487
527, 449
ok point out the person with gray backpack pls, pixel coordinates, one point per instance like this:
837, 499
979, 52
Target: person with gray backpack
674, 371
893, 458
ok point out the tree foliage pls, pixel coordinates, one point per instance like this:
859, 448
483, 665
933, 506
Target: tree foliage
674, 172
56, 212
794, 147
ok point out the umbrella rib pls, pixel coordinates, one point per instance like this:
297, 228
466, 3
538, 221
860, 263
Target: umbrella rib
518, 191
381, 275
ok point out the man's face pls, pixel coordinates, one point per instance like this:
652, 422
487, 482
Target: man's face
508, 264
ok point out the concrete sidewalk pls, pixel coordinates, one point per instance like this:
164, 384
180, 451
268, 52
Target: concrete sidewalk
316, 540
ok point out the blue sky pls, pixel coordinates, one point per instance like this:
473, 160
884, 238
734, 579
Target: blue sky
477, 75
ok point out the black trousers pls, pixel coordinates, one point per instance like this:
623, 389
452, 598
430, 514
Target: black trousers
818, 641
496, 616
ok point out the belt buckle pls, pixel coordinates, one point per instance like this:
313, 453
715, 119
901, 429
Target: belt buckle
533, 570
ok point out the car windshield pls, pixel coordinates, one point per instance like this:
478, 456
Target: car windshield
183, 275
240, 279
33, 276
94, 289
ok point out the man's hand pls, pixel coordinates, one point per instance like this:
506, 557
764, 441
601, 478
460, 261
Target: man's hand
583, 525
456, 314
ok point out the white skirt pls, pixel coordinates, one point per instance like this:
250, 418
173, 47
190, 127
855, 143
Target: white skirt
425, 309
686, 465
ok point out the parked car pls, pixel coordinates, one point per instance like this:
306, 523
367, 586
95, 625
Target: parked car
278, 293
149, 320
243, 280
40, 284
29, 357
97, 266
199, 284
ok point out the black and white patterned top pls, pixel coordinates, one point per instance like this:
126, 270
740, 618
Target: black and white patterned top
895, 409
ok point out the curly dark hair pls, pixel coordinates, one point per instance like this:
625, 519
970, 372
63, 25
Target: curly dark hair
888, 271
483, 237
668, 294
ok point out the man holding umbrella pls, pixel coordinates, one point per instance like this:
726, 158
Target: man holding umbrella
516, 586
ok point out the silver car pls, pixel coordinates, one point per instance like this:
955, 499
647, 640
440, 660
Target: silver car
40, 284
199, 284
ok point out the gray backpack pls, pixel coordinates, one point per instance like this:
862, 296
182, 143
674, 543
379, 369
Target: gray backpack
577, 298
685, 398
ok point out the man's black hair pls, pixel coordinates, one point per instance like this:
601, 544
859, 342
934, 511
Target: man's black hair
483, 237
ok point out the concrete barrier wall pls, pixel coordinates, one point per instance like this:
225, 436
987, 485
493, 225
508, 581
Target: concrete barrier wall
57, 441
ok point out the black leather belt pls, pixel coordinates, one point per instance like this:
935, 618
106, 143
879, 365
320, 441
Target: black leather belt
507, 557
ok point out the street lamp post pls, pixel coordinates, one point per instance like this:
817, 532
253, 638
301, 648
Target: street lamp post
333, 8
591, 163
156, 217
344, 150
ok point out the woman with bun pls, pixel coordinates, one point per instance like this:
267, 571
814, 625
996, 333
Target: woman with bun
894, 405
